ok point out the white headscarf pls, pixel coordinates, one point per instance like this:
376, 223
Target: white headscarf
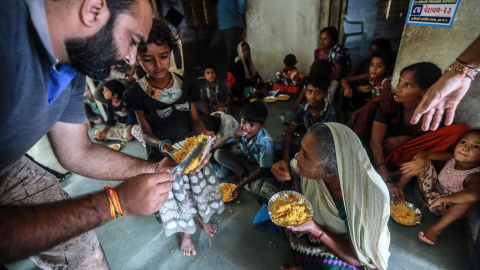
249, 74
365, 197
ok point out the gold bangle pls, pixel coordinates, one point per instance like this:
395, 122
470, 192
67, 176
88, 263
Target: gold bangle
464, 71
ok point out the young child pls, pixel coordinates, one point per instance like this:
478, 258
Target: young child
454, 190
215, 94
167, 116
92, 112
256, 149
381, 68
315, 110
122, 128
289, 76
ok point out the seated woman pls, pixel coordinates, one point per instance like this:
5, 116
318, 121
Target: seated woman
385, 130
333, 172
330, 50
245, 73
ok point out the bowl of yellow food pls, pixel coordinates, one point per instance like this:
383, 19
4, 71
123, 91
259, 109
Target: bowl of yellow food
405, 213
289, 208
115, 146
269, 99
227, 189
190, 153
283, 97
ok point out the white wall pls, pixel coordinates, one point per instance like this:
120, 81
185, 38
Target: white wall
277, 28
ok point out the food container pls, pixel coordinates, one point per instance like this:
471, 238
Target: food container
398, 213
226, 189
290, 197
197, 154
283, 97
115, 146
269, 99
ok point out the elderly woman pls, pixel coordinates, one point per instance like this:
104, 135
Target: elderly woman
349, 200
330, 50
384, 126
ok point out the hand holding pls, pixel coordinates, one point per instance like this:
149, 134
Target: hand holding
236, 192
281, 171
348, 93
436, 205
311, 227
396, 192
237, 132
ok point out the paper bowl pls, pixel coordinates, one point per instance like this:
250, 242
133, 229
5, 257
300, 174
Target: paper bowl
284, 195
417, 217
283, 97
115, 146
226, 185
269, 99
189, 158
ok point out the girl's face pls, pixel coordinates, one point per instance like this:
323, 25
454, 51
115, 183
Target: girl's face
307, 159
325, 40
107, 93
467, 149
377, 68
314, 95
246, 51
407, 89
156, 60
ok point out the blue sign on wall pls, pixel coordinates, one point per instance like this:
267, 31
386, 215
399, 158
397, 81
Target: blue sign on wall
438, 13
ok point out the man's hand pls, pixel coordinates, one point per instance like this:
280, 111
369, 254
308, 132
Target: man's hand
281, 171
145, 193
442, 97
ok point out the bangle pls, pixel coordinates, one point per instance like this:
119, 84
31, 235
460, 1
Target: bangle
378, 165
160, 145
115, 207
318, 237
467, 65
203, 131
464, 71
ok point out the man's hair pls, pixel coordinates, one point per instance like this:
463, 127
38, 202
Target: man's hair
255, 112
318, 82
426, 74
210, 65
116, 87
117, 7
321, 68
290, 60
160, 34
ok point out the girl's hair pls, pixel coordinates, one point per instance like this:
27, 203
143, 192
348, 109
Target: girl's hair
321, 68
332, 32
290, 60
426, 74
382, 44
210, 65
116, 87
475, 131
325, 147
388, 59
255, 112
160, 34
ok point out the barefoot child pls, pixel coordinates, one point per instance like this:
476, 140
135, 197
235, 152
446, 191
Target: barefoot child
253, 162
454, 190
167, 116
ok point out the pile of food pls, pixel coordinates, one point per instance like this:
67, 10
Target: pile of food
283, 97
227, 189
115, 146
269, 99
290, 211
186, 148
404, 214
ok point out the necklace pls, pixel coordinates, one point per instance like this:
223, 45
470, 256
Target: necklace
162, 88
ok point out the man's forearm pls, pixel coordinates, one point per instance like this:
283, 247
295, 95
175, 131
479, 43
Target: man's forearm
28, 230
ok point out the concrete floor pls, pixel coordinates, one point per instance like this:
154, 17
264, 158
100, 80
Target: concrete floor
140, 242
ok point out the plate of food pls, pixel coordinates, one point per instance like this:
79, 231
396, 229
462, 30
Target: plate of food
269, 99
405, 213
289, 208
283, 97
190, 152
227, 189
115, 146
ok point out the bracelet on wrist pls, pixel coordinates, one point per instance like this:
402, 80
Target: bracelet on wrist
467, 65
115, 207
464, 72
321, 233
164, 141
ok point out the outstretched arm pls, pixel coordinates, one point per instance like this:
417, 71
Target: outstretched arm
446, 93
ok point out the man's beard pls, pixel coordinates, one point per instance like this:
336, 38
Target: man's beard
94, 56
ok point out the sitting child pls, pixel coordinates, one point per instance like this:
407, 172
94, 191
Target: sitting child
315, 110
381, 68
456, 188
215, 94
289, 76
122, 128
256, 152
92, 112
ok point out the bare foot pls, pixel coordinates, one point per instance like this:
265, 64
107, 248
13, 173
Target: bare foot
291, 266
209, 227
430, 235
187, 245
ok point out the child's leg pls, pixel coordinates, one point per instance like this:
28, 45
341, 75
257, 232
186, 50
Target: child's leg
231, 161
453, 213
187, 245
209, 227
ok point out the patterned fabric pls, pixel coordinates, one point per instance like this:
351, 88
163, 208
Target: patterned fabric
427, 183
192, 195
291, 74
302, 116
166, 95
377, 88
452, 179
337, 55
25, 183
